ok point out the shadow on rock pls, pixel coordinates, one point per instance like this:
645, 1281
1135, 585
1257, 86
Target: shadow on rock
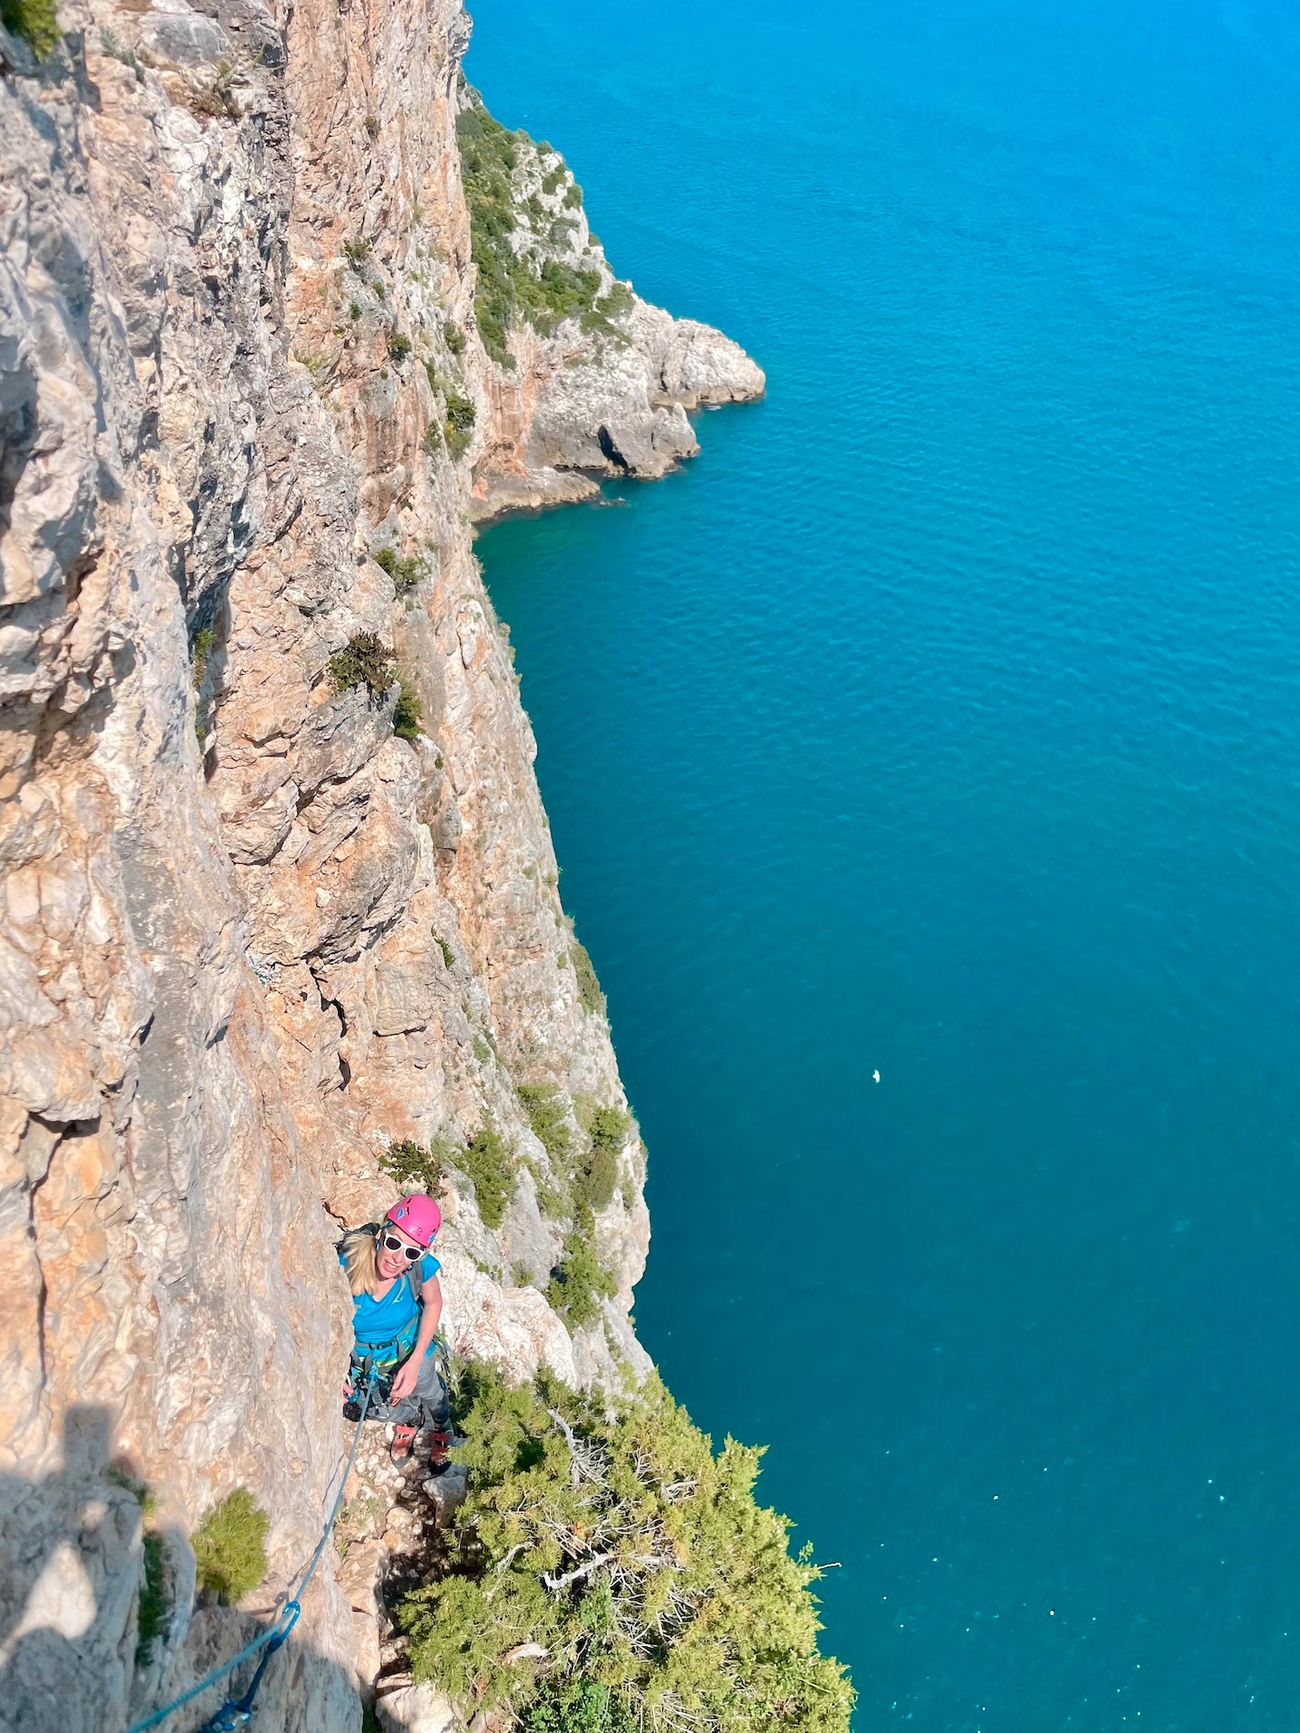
71, 1566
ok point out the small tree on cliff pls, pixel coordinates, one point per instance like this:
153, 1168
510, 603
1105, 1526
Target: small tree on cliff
613, 1572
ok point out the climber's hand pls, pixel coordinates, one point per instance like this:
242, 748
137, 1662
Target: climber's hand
404, 1380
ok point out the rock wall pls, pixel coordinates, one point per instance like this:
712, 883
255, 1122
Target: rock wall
249, 936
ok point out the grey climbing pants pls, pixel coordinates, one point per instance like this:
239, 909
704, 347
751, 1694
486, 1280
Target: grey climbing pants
427, 1404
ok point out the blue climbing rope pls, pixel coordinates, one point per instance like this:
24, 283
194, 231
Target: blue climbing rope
236, 1712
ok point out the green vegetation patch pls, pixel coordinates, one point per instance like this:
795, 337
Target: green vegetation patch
205, 642
547, 1113
413, 1167
610, 1534
153, 1607
230, 1546
152, 1611
517, 288
596, 1178
588, 985
407, 713
487, 1160
579, 1282
458, 428
364, 662
406, 573
35, 21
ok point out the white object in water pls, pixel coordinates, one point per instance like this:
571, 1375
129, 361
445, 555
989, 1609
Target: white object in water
875, 1077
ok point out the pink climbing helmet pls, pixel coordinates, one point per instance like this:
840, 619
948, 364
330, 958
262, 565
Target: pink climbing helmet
416, 1215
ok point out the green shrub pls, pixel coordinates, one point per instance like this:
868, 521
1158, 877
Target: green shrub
152, 1607
407, 715
406, 573
486, 1160
357, 252
413, 1167
365, 662
552, 1202
35, 21
603, 313
547, 1114
121, 1475
230, 1546
607, 1531
454, 338
597, 1177
205, 642
151, 1612
596, 1184
581, 1706
588, 986
118, 50
580, 1281
459, 425
512, 287
448, 955
609, 1127
399, 347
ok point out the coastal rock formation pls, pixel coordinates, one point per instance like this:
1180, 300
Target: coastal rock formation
253, 935
586, 379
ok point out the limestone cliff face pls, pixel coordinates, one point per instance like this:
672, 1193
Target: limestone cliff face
249, 937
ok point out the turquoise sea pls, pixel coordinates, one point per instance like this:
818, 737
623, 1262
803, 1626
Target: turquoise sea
943, 720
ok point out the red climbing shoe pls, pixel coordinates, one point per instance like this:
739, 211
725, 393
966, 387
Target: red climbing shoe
403, 1443
438, 1458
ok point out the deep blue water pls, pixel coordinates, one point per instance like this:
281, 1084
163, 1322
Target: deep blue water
942, 719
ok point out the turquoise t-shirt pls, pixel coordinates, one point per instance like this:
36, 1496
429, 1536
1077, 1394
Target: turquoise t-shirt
397, 1316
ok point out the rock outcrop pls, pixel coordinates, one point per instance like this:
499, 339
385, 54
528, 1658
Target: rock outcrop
250, 936
597, 382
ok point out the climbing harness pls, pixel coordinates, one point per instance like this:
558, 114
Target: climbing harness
238, 1711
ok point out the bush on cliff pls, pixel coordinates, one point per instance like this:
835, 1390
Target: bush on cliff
588, 985
414, 1167
579, 1282
363, 662
458, 428
596, 1175
611, 1535
486, 1159
516, 288
407, 574
35, 21
408, 715
230, 1546
547, 1113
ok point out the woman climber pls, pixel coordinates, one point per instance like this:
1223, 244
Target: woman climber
396, 1305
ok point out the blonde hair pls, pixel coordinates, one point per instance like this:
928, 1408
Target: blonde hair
360, 1261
